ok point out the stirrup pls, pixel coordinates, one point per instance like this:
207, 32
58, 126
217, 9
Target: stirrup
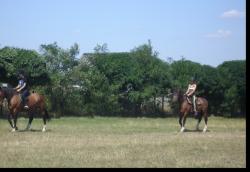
26, 107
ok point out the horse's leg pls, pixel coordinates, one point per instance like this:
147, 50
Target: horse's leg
31, 116
45, 117
198, 123
180, 118
182, 121
44, 123
206, 119
15, 114
10, 120
1, 109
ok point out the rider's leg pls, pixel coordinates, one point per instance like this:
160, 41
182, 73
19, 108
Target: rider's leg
188, 99
23, 98
25, 95
194, 104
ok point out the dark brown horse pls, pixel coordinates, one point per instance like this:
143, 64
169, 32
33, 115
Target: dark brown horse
186, 108
35, 101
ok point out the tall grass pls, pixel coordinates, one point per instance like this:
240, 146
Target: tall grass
124, 142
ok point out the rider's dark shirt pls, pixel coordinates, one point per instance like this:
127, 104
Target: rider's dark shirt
21, 83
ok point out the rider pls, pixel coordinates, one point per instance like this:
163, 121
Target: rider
23, 89
192, 86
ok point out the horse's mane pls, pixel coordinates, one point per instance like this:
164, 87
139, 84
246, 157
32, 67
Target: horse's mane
180, 94
9, 92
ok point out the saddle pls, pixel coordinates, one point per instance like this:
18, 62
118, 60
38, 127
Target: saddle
197, 101
189, 101
20, 98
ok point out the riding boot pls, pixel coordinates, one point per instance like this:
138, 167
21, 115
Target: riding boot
26, 107
195, 111
25, 104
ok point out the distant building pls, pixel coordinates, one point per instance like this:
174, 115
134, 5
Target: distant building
6, 85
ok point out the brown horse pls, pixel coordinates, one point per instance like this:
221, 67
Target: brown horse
186, 108
35, 101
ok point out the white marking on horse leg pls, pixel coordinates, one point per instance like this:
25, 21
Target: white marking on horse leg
182, 124
13, 130
205, 129
182, 129
44, 128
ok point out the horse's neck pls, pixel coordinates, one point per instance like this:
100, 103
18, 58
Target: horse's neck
184, 98
181, 97
9, 93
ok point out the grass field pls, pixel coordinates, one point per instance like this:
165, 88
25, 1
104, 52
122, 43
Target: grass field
124, 142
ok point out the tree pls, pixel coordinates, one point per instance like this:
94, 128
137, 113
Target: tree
101, 48
232, 79
209, 85
152, 76
59, 63
182, 71
13, 60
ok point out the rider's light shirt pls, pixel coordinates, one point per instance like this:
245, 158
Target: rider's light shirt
191, 87
22, 83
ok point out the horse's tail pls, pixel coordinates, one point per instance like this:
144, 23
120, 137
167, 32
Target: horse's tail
46, 114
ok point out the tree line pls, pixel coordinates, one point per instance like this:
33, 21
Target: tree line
118, 84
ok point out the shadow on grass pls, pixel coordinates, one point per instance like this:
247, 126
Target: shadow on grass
33, 130
194, 130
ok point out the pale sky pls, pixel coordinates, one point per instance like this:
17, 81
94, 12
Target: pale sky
204, 31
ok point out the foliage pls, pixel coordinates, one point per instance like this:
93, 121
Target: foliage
106, 83
232, 80
12, 60
59, 63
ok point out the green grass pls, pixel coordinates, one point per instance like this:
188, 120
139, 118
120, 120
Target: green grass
124, 142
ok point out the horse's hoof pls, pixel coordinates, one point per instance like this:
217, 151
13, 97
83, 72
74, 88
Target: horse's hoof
182, 129
27, 129
13, 130
205, 129
43, 130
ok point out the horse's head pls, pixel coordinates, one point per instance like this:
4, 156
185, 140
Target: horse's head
5, 92
173, 96
177, 96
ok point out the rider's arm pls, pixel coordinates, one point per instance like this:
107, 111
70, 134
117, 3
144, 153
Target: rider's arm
187, 90
18, 86
24, 84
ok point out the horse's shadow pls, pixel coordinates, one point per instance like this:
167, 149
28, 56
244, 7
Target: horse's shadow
33, 130
194, 130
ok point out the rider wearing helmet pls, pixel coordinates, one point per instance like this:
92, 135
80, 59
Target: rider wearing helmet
192, 86
23, 89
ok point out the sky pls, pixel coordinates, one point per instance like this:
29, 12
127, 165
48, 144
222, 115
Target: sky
208, 32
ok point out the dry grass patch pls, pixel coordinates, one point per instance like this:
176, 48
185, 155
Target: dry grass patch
124, 142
